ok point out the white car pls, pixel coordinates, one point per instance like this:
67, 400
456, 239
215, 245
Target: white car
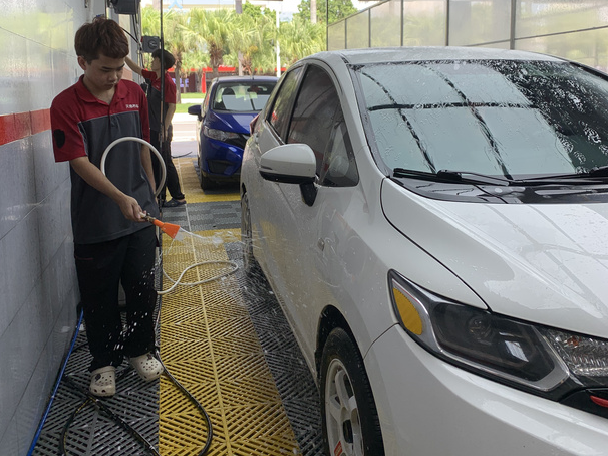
434, 222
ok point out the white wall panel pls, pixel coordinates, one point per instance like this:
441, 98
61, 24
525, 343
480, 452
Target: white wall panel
13, 80
38, 287
9, 442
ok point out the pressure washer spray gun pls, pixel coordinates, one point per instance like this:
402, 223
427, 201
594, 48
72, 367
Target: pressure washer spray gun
170, 229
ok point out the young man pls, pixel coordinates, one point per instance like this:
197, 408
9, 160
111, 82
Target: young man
112, 243
155, 110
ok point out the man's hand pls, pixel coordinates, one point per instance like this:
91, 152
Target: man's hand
130, 208
135, 68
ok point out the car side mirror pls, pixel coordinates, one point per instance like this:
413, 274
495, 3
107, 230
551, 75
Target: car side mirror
195, 110
291, 164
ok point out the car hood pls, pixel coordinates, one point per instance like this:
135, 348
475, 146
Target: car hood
545, 263
237, 122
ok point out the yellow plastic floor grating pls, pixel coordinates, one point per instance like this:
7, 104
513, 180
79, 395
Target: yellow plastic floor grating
209, 344
191, 184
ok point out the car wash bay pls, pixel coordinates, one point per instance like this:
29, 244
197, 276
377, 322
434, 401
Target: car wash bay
226, 342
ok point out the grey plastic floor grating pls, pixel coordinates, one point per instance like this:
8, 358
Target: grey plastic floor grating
293, 379
90, 431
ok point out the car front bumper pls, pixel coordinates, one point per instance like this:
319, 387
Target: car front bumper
220, 159
427, 407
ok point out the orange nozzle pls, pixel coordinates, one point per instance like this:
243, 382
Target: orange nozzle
168, 228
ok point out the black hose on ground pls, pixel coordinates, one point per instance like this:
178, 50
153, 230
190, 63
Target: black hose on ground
90, 399
147, 446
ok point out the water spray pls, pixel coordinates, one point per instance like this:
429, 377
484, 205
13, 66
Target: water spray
174, 231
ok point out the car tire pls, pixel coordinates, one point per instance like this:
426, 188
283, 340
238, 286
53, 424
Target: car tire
206, 183
348, 411
250, 264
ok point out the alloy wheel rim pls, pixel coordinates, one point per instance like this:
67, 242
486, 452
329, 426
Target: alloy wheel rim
246, 234
344, 434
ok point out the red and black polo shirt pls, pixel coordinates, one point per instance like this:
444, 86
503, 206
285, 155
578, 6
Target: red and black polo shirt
170, 87
83, 125
154, 97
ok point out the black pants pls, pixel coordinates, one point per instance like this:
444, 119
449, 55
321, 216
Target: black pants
100, 268
172, 182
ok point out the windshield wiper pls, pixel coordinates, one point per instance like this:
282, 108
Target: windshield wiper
587, 177
466, 177
598, 171
444, 175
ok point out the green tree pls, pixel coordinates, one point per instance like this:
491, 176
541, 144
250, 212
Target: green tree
174, 27
256, 11
251, 43
201, 38
150, 21
300, 38
213, 28
196, 60
338, 9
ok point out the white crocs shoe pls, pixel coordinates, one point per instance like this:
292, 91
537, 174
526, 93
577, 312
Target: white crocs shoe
103, 382
147, 366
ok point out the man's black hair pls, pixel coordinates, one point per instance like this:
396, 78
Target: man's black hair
169, 59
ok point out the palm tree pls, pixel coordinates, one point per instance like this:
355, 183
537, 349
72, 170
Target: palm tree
266, 34
174, 26
150, 21
240, 42
198, 59
300, 38
212, 27
251, 43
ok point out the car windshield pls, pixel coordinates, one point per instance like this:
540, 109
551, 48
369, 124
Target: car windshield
241, 96
512, 119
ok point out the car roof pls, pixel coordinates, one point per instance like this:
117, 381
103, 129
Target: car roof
417, 53
245, 78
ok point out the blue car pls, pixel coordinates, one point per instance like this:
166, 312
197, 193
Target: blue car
230, 105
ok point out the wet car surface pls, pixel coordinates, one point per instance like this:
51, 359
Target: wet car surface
431, 221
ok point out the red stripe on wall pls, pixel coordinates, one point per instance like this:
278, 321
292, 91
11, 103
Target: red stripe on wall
41, 120
20, 125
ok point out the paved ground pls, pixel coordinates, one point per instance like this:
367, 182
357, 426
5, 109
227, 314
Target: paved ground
184, 136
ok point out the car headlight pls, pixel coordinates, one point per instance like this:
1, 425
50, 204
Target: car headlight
544, 361
219, 134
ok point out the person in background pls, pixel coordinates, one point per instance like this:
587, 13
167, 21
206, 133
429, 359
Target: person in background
112, 243
155, 110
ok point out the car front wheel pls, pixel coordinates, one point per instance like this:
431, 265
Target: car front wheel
249, 262
349, 416
206, 183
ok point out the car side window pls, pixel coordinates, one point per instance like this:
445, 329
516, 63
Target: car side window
318, 122
281, 109
339, 168
206, 104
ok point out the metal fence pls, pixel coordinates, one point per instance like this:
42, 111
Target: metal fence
575, 29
